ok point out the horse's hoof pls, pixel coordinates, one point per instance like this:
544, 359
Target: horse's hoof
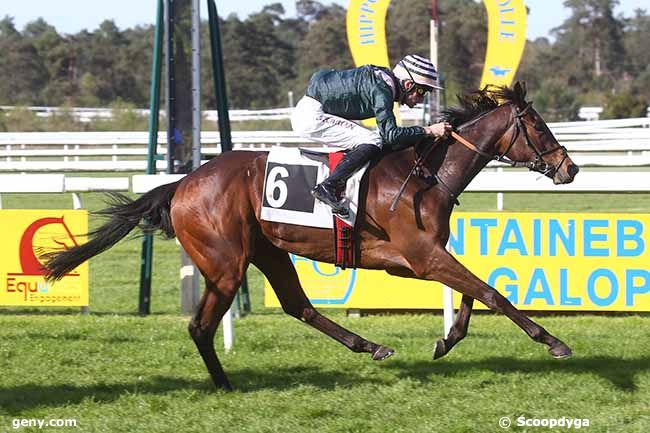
382, 353
560, 351
440, 350
223, 386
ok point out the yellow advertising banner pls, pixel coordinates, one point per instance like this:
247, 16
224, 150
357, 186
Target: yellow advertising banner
25, 233
506, 41
366, 29
557, 262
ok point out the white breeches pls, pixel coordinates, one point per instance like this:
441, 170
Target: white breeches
309, 120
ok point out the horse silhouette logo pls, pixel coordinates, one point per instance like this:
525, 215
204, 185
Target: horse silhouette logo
498, 71
61, 236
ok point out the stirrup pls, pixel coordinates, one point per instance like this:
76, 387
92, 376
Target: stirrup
341, 211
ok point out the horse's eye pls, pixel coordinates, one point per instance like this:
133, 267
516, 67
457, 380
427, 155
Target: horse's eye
539, 126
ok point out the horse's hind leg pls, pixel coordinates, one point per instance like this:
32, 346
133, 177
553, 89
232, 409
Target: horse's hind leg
458, 331
453, 274
223, 262
202, 328
278, 269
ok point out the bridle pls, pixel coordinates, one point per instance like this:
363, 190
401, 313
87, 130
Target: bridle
539, 164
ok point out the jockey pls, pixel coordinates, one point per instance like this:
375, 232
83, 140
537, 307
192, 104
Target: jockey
335, 98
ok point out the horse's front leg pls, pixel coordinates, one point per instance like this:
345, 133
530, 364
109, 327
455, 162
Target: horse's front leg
276, 265
458, 331
446, 269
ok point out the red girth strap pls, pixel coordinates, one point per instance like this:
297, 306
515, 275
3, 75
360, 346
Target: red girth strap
343, 232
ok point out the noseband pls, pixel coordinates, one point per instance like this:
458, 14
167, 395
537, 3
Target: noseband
539, 164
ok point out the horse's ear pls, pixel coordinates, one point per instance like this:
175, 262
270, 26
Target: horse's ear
520, 92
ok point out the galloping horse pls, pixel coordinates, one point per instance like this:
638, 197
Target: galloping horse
215, 214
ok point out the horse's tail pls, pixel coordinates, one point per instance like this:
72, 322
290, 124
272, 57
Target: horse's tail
125, 214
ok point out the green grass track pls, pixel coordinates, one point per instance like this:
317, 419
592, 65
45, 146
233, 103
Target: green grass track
113, 371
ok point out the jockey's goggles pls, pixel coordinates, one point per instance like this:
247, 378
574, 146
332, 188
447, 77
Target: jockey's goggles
421, 91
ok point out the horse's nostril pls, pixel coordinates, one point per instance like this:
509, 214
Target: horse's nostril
573, 170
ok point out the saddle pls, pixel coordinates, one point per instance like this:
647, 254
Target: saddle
291, 174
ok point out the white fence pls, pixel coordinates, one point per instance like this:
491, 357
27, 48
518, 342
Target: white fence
58, 183
607, 143
112, 151
487, 181
86, 115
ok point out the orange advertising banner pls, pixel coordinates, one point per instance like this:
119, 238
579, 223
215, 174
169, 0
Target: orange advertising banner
27, 233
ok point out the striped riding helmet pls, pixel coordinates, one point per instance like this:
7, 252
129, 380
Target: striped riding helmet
418, 69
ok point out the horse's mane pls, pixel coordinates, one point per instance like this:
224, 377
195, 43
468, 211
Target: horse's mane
477, 102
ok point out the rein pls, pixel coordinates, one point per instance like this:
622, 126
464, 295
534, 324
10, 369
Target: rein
501, 158
469, 145
415, 168
539, 164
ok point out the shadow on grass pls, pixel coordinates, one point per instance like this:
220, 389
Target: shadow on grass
619, 372
17, 399
287, 378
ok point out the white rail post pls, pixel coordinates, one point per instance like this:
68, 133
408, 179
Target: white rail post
77, 203
500, 194
228, 332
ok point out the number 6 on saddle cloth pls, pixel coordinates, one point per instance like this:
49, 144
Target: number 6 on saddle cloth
291, 174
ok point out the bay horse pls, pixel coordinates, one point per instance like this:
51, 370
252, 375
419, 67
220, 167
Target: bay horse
215, 214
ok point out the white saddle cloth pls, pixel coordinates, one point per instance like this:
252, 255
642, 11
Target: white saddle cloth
289, 178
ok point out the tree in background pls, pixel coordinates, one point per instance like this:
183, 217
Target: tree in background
556, 101
595, 59
407, 29
257, 61
57, 58
623, 105
22, 69
324, 45
591, 44
463, 38
463, 42
637, 36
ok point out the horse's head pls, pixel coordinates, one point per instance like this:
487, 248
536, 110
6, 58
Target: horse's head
531, 142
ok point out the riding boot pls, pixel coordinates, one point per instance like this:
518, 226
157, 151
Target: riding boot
351, 162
